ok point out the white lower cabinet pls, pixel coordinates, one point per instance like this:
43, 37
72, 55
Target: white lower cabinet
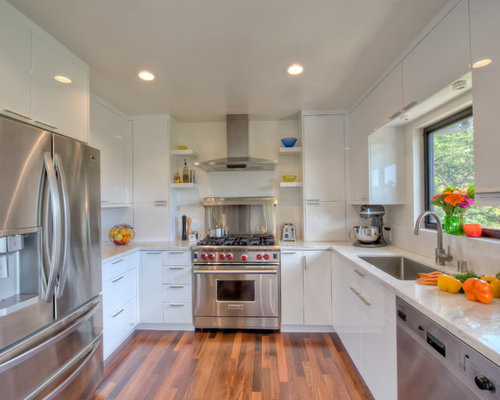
151, 287
306, 288
119, 293
363, 317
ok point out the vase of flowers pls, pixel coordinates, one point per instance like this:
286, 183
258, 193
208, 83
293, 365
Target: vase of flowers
454, 202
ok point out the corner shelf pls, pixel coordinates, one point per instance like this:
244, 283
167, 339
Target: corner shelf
290, 184
185, 153
183, 185
291, 150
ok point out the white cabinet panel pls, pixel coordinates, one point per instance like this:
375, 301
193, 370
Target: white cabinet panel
118, 291
177, 293
441, 57
177, 257
317, 288
151, 158
64, 106
109, 134
151, 222
173, 274
177, 313
151, 287
324, 157
118, 326
117, 267
325, 221
15, 65
359, 157
292, 288
485, 31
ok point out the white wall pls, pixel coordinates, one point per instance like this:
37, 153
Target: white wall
114, 216
208, 139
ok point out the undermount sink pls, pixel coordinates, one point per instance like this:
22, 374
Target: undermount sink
401, 268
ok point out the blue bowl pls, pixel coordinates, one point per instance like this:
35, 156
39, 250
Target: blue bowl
289, 141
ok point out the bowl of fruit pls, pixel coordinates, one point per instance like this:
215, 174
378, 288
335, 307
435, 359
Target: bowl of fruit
121, 234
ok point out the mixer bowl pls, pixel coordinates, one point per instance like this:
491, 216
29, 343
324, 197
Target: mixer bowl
366, 234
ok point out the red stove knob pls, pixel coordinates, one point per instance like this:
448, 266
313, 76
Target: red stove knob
266, 256
259, 256
211, 256
244, 257
203, 256
229, 256
222, 256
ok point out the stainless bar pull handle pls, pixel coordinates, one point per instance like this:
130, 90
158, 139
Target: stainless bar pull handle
176, 305
46, 124
355, 291
176, 286
359, 273
117, 279
118, 261
176, 267
175, 252
288, 252
267, 272
361, 297
17, 113
53, 257
153, 252
116, 314
67, 225
235, 307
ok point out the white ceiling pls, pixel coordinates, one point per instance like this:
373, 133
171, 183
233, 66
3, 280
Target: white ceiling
214, 57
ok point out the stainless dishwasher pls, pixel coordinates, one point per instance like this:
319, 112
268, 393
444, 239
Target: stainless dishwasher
435, 364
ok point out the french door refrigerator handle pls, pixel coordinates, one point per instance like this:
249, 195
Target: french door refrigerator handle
79, 360
67, 226
45, 338
54, 255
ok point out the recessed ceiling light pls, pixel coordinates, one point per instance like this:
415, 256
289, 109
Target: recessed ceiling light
62, 79
146, 75
481, 63
295, 69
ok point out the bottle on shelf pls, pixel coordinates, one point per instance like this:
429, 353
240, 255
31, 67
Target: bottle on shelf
185, 173
177, 178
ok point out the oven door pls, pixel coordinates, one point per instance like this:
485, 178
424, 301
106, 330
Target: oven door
228, 293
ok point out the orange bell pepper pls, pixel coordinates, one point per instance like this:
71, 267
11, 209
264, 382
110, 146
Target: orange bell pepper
477, 290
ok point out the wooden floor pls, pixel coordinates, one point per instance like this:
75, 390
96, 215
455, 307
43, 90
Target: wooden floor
216, 365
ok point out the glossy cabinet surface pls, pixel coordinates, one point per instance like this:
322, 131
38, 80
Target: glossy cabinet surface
485, 31
441, 57
292, 287
15, 65
63, 106
151, 287
358, 150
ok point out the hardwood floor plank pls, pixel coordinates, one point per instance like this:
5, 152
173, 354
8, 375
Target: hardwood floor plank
232, 365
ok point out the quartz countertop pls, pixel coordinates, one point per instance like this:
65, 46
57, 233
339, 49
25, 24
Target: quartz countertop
110, 251
475, 323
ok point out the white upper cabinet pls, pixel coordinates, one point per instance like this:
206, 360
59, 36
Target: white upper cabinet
152, 158
63, 106
15, 65
485, 32
441, 57
110, 133
324, 157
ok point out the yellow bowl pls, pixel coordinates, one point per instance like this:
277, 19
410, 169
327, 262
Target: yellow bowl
289, 178
182, 147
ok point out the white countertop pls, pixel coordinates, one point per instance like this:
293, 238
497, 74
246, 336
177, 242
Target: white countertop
475, 323
109, 251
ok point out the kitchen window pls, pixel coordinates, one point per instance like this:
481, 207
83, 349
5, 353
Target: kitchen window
449, 161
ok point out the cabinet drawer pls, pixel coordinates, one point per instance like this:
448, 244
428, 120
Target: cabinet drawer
177, 293
177, 274
118, 267
119, 325
176, 257
118, 291
177, 313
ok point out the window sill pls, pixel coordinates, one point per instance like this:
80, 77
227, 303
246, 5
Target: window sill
479, 239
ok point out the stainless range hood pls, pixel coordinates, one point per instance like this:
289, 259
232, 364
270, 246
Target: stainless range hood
238, 158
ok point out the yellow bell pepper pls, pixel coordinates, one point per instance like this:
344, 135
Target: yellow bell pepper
495, 287
449, 284
488, 279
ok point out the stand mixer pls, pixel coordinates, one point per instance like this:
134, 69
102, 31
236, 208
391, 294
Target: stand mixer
371, 233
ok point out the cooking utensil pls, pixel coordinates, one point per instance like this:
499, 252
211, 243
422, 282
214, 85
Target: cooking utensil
365, 234
288, 232
217, 232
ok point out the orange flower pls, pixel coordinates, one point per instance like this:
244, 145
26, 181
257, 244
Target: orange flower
453, 199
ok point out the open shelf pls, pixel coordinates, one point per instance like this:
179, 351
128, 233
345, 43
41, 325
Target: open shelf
290, 184
185, 153
291, 150
183, 185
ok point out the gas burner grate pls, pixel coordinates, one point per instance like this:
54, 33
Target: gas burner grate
239, 240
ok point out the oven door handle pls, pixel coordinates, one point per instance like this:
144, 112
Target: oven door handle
250, 271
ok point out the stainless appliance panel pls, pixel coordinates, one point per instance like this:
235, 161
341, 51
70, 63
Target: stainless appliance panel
21, 174
236, 293
78, 166
54, 360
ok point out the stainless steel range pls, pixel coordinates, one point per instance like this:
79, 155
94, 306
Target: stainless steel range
236, 278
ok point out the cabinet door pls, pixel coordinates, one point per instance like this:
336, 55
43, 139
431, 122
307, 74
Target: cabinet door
151, 159
151, 222
292, 288
358, 150
15, 65
324, 157
441, 57
325, 221
485, 31
108, 134
64, 106
317, 288
151, 287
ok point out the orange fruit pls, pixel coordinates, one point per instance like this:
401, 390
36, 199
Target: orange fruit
126, 239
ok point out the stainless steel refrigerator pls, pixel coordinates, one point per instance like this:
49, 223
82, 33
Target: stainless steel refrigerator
50, 265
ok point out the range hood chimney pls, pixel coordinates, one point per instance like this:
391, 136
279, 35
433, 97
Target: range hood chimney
238, 155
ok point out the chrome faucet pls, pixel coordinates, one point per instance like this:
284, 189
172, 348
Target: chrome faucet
441, 254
